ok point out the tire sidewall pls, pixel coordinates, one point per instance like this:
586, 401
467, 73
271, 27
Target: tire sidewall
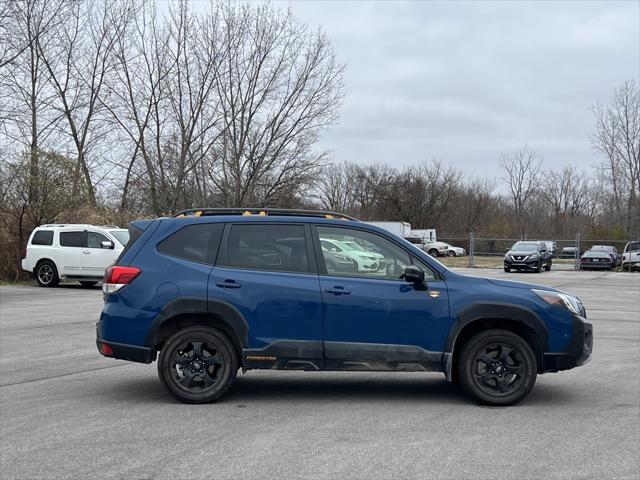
199, 333
465, 367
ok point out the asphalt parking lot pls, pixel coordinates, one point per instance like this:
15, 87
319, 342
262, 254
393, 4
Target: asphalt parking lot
66, 412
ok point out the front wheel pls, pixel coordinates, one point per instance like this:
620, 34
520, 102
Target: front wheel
452, 253
497, 367
198, 364
538, 268
547, 267
507, 269
433, 252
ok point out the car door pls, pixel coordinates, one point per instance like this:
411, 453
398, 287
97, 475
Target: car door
69, 255
95, 257
267, 271
373, 320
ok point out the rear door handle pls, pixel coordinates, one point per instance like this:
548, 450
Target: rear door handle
86, 252
228, 284
338, 290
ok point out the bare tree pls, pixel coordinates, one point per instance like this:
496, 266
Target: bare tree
617, 137
78, 64
281, 87
522, 175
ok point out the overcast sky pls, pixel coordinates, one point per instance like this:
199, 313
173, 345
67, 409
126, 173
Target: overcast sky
463, 82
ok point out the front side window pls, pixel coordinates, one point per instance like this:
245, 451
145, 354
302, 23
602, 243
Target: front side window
94, 240
363, 254
267, 247
72, 239
42, 237
198, 243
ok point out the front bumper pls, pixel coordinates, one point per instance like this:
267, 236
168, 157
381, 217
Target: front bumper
517, 264
578, 351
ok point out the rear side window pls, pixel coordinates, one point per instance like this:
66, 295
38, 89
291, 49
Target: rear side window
72, 239
198, 243
42, 237
267, 247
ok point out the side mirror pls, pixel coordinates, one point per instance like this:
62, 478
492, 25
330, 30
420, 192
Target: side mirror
107, 244
413, 274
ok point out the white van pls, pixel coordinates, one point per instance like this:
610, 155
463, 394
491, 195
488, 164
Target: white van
72, 251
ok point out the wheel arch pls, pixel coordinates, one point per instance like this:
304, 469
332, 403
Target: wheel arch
183, 313
45, 259
519, 320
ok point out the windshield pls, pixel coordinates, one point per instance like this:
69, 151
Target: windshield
122, 236
525, 247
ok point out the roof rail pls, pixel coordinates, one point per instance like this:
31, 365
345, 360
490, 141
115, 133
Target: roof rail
205, 212
62, 225
109, 226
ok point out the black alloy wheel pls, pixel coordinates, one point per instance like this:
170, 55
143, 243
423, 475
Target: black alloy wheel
198, 364
497, 367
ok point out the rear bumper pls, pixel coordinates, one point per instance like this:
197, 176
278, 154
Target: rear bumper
578, 351
25, 266
121, 351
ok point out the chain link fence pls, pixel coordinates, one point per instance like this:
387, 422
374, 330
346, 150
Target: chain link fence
487, 252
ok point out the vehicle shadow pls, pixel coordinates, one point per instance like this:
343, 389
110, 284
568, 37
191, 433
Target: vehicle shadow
365, 389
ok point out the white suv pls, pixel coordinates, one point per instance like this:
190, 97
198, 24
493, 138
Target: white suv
73, 252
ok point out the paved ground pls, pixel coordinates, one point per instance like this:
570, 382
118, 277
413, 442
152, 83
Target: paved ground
65, 412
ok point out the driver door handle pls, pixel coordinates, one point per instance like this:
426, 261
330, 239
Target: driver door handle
86, 252
228, 284
338, 290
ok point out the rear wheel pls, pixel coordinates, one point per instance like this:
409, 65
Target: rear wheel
47, 274
497, 367
198, 364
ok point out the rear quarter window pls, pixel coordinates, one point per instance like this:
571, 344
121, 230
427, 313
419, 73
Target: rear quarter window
42, 237
198, 243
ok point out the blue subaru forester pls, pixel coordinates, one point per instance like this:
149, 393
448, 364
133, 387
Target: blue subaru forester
215, 290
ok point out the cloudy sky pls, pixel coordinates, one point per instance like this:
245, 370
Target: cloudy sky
463, 82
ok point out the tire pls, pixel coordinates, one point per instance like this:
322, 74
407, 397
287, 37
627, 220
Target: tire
193, 347
88, 284
508, 374
538, 269
547, 267
433, 252
47, 274
452, 253
507, 269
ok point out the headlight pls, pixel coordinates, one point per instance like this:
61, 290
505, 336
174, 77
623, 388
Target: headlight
534, 256
562, 300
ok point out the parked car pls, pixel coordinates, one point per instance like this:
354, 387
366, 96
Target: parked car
631, 256
214, 290
597, 260
73, 252
611, 250
569, 251
443, 249
362, 259
551, 247
528, 255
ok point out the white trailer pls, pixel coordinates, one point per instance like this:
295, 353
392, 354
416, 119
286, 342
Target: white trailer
427, 235
401, 229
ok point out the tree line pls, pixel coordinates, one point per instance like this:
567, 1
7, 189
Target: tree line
117, 109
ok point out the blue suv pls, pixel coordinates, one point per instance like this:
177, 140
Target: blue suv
216, 290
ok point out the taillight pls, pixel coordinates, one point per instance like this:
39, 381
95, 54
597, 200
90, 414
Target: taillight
117, 277
24, 252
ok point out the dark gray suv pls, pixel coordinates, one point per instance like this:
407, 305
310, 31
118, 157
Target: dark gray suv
528, 255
